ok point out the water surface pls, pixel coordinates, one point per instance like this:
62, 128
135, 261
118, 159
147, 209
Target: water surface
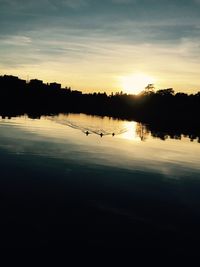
62, 186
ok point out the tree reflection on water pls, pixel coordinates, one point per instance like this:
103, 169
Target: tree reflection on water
144, 131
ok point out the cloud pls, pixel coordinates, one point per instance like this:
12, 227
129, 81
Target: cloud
16, 40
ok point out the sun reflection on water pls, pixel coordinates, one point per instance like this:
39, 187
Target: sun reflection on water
131, 131
80, 123
95, 125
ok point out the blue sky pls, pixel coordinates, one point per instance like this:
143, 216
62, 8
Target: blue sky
95, 45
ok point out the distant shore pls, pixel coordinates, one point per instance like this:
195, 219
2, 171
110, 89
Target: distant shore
163, 109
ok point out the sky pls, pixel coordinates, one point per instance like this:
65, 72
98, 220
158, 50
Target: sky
107, 45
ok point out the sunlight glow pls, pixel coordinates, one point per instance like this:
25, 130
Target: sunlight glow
135, 83
131, 131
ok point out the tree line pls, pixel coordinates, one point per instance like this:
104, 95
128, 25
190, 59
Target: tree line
161, 107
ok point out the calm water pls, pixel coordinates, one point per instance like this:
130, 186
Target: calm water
62, 187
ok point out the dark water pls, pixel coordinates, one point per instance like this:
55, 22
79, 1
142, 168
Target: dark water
62, 188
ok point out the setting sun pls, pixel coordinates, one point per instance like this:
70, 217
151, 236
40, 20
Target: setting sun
135, 83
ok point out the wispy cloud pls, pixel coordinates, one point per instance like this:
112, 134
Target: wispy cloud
16, 40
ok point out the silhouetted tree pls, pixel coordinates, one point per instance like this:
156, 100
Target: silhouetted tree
149, 89
165, 92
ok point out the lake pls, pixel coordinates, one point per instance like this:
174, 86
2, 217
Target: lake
81, 181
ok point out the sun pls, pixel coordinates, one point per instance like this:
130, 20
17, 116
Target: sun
135, 83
